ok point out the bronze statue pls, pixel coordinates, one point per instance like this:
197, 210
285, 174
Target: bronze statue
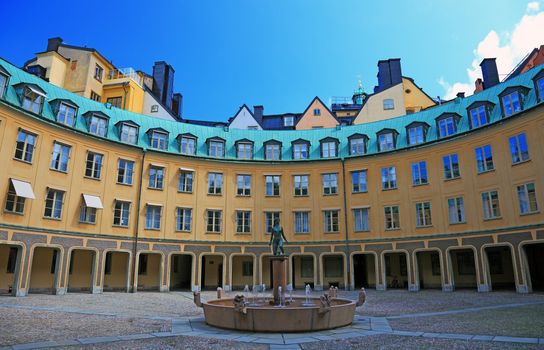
277, 238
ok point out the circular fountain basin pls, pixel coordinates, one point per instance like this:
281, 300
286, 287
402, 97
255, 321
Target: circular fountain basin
269, 318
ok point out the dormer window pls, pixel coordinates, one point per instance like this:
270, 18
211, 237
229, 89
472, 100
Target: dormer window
301, 149
512, 100
317, 111
446, 124
288, 121
479, 113
33, 98
158, 139
387, 140
357, 144
539, 85
416, 133
329, 147
98, 124
4, 79
272, 150
187, 144
66, 114
244, 149
128, 132
216, 147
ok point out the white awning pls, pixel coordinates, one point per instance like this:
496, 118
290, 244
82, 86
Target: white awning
36, 91
154, 204
92, 201
23, 189
187, 169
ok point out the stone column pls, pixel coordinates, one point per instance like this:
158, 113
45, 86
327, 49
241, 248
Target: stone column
279, 276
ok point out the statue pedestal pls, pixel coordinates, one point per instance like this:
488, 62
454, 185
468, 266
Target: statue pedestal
279, 276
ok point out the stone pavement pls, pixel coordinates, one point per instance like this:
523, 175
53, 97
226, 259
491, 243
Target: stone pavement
196, 327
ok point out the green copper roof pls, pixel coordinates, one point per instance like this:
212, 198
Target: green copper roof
459, 106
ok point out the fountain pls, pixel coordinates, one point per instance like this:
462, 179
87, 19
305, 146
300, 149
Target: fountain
262, 313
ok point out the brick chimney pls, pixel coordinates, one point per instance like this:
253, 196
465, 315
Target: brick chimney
478, 85
258, 113
53, 44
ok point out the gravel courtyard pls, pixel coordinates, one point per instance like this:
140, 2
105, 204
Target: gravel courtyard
427, 319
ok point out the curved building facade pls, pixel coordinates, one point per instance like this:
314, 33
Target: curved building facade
97, 198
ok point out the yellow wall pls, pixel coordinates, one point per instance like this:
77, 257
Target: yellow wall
151, 278
6, 279
117, 279
41, 277
415, 99
56, 66
238, 280
310, 121
373, 108
82, 276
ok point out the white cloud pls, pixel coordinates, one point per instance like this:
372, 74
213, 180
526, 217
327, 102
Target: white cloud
509, 49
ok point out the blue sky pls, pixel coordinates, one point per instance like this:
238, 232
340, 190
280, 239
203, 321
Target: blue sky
278, 53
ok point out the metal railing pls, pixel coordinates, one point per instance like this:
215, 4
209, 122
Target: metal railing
123, 73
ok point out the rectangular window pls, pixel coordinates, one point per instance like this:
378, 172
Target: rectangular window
272, 185
243, 184
330, 184
14, 203
385, 142
156, 177
288, 121
93, 165
215, 183
98, 126
389, 178
392, 220
129, 134
98, 72
490, 201
416, 135
317, 111
484, 158
60, 157
357, 146
87, 215
446, 127
301, 185
358, 181
121, 213
270, 217
188, 145
328, 149
24, 147
511, 103
217, 149
456, 210
451, 166
539, 87
423, 214
331, 221
66, 114
302, 222
159, 140
115, 101
388, 104
95, 97
478, 116
3, 85
247, 268
245, 151
153, 217
53, 204
243, 221
300, 151
360, 217
185, 181
273, 151
419, 173
213, 220
527, 198
518, 148
125, 169
32, 100
183, 219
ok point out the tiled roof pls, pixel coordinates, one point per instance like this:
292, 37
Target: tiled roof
204, 132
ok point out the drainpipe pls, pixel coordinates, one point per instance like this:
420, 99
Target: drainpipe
348, 287
137, 230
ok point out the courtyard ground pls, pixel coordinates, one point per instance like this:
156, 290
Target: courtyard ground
391, 319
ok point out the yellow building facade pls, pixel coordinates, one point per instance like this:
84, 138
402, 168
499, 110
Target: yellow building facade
88, 208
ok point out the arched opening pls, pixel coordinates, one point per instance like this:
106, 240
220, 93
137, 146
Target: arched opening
535, 263
463, 269
396, 270
149, 272
44, 270
81, 270
333, 271
500, 268
116, 271
211, 272
429, 272
364, 270
242, 271
302, 271
9, 268
181, 267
